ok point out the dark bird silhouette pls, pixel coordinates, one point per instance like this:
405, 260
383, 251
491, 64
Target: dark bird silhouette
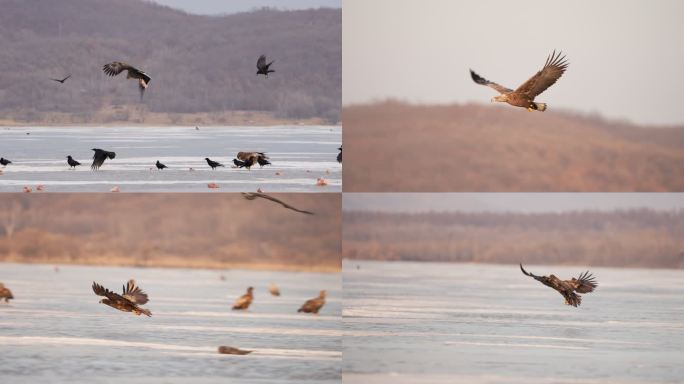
72, 163
524, 96
129, 301
244, 164
314, 305
262, 67
4, 161
116, 67
62, 80
232, 351
100, 156
5, 293
244, 301
585, 283
253, 158
160, 166
339, 155
254, 195
213, 164
274, 289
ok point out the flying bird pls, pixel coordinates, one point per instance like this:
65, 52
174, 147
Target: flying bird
129, 301
262, 67
585, 283
254, 195
274, 289
116, 67
99, 157
213, 164
72, 163
5, 293
160, 166
339, 155
244, 301
62, 80
232, 351
263, 161
314, 305
524, 96
4, 161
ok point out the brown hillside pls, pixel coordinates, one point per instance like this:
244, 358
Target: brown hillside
635, 238
181, 230
198, 64
405, 148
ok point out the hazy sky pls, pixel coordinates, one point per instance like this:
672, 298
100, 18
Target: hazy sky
210, 7
625, 55
509, 202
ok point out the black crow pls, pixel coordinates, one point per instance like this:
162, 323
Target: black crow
246, 163
213, 164
4, 161
263, 67
100, 156
160, 166
254, 195
262, 161
116, 67
72, 163
339, 155
62, 80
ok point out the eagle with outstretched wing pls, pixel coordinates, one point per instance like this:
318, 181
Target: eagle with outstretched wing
254, 195
524, 96
99, 158
116, 67
585, 283
129, 301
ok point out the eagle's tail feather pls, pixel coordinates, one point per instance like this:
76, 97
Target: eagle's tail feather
541, 107
146, 312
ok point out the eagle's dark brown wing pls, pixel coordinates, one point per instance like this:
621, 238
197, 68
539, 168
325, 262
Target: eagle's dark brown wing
553, 69
102, 291
482, 81
116, 67
254, 195
134, 294
585, 283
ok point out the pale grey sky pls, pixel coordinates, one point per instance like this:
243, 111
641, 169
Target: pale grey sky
212, 7
625, 55
509, 202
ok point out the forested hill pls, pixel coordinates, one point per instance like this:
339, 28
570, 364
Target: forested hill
198, 64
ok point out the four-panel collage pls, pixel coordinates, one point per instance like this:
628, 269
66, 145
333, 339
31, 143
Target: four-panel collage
174, 208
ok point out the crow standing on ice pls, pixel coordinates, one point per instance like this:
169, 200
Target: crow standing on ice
213, 164
72, 163
160, 166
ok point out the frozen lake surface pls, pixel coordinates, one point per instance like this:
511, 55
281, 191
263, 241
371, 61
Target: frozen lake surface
56, 331
464, 323
300, 155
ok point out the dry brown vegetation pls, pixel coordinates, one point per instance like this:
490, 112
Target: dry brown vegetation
395, 147
634, 238
174, 230
198, 64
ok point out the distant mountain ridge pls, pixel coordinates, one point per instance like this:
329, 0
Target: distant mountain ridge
198, 64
